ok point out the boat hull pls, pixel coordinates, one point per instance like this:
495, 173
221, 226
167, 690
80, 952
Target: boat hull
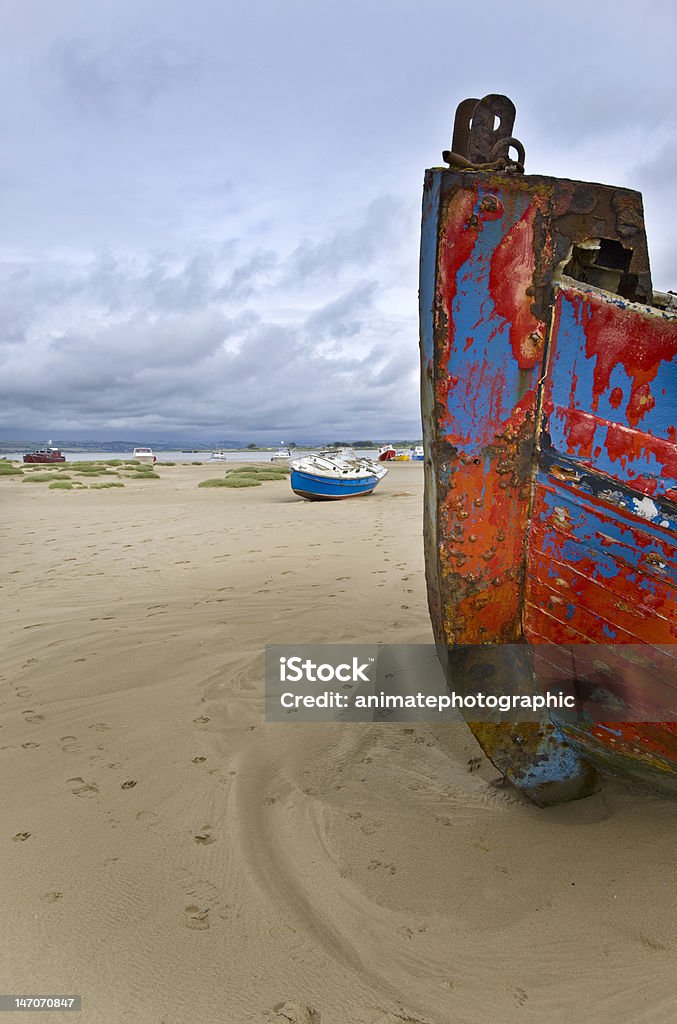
43, 459
145, 457
550, 473
317, 488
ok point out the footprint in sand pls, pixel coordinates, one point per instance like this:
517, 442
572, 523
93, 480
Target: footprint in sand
301, 1013
129, 784
69, 744
29, 745
202, 720
84, 789
395, 1018
33, 716
51, 897
21, 837
23, 693
204, 897
148, 818
373, 865
100, 727
197, 918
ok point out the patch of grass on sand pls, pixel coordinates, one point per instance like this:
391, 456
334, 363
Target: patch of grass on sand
196, 463
262, 472
93, 468
144, 475
7, 469
38, 478
271, 474
221, 482
111, 483
242, 480
165, 463
239, 480
61, 485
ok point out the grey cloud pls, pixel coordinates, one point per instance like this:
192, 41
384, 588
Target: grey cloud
342, 317
176, 348
353, 245
123, 76
245, 277
658, 171
178, 373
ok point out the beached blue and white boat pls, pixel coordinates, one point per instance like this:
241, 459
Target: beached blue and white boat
324, 478
417, 453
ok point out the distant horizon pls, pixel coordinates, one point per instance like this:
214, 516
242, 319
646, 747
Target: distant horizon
193, 444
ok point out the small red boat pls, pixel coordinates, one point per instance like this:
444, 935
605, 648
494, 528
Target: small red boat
45, 456
387, 453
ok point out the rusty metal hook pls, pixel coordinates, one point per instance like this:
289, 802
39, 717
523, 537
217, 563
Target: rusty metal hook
482, 139
502, 147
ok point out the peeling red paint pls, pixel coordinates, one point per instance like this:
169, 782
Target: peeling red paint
511, 276
617, 336
616, 397
624, 445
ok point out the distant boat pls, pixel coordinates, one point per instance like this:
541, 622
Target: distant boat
144, 455
401, 456
218, 457
387, 453
324, 478
45, 456
281, 455
417, 454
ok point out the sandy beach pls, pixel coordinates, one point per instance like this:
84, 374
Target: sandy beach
174, 859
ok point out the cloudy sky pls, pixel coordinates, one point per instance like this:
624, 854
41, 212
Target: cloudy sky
209, 210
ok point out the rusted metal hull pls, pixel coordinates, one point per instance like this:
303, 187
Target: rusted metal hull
551, 469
